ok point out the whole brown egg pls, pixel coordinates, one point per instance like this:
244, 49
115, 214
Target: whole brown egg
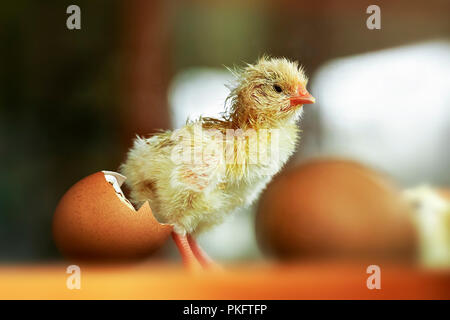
332, 208
94, 221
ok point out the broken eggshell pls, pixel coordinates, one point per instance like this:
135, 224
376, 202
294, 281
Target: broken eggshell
94, 221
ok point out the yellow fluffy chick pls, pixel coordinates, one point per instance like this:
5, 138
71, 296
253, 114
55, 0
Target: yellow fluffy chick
196, 175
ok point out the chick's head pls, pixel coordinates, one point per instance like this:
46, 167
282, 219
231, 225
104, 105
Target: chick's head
269, 92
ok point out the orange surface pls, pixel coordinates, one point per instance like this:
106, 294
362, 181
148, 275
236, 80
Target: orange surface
157, 281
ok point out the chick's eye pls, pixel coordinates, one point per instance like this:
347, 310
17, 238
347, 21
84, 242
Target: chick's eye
277, 88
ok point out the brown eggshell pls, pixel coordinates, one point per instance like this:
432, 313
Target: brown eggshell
92, 223
334, 209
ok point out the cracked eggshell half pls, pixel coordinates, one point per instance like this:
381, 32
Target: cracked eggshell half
94, 221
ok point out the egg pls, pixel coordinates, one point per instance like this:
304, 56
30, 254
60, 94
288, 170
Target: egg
333, 208
94, 221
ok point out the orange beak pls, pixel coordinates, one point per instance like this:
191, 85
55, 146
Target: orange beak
302, 97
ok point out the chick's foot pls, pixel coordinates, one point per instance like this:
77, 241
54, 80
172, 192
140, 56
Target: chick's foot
193, 257
189, 260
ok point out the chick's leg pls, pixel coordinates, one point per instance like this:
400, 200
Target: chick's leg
188, 257
201, 255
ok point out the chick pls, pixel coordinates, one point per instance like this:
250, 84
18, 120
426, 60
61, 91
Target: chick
432, 219
195, 176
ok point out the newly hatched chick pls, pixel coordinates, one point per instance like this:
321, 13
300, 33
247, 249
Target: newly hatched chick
194, 176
